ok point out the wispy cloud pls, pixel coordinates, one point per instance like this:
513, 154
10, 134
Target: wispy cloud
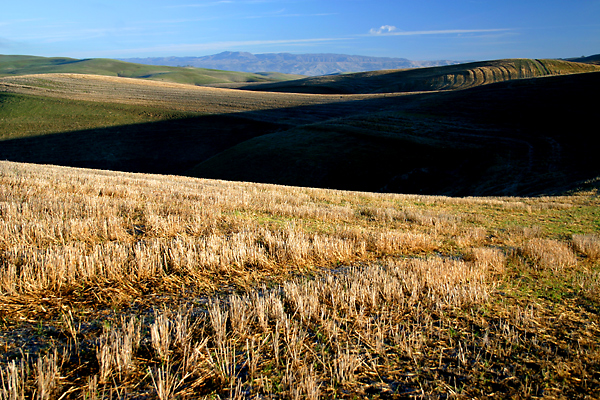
198, 5
282, 15
388, 30
385, 29
226, 45
19, 21
309, 15
52, 35
220, 2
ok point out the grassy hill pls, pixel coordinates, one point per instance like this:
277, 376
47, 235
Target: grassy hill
136, 125
116, 136
517, 137
27, 65
461, 76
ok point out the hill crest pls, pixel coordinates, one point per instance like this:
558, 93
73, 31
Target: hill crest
450, 77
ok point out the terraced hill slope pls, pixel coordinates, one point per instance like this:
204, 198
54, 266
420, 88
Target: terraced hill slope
452, 77
26, 65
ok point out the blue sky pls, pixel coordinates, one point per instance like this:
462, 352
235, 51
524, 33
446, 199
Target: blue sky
416, 29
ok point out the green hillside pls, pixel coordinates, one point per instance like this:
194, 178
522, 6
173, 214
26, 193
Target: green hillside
30, 116
26, 65
124, 137
450, 77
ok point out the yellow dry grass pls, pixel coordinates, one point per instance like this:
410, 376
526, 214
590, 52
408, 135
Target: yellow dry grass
67, 228
123, 285
173, 96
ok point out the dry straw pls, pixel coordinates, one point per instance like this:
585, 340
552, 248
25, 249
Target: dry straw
261, 291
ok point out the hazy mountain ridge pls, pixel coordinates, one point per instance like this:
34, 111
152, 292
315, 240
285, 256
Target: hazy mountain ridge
301, 64
593, 59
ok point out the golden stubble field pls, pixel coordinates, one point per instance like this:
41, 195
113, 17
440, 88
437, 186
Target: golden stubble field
117, 285
180, 97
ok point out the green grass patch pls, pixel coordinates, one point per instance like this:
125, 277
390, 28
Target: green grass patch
26, 116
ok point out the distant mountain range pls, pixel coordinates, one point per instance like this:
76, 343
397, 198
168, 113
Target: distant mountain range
302, 64
593, 59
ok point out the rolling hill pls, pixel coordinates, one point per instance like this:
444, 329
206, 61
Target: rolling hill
514, 137
523, 137
155, 286
27, 65
137, 125
452, 77
593, 59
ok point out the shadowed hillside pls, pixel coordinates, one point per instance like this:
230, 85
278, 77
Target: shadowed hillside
521, 137
452, 77
517, 137
167, 147
144, 126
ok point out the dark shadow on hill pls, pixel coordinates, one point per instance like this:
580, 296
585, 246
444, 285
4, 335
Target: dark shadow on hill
526, 137
166, 147
342, 159
171, 146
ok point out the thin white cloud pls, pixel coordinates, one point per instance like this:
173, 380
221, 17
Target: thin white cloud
308, 15
220, 2
58, 36
19, 21
214, 46
276, 15
387, 31
198, 5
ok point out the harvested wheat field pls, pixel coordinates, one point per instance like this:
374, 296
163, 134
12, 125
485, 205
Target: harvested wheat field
130, 286
174, 96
